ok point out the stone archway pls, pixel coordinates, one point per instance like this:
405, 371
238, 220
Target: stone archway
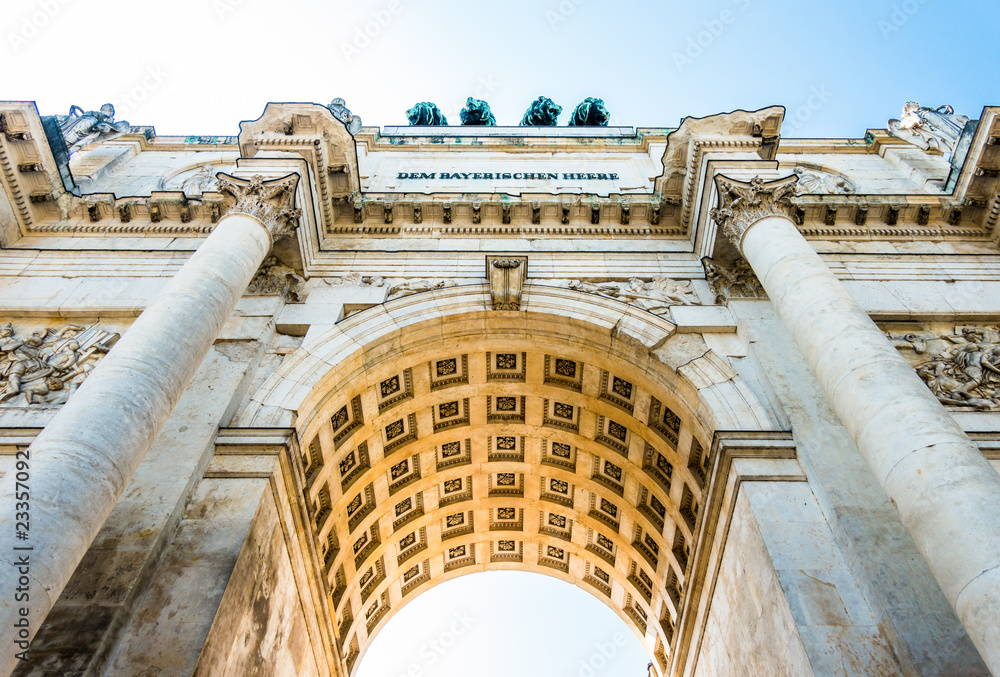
439, 438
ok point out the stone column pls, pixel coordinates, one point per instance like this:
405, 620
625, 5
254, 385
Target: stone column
946, 493
81, 462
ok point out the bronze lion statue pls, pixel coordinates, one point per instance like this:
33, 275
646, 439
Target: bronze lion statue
590, 113
426, 113
541, 113
477, 112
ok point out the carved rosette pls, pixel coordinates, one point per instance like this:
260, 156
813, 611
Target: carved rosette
506, 275
272, 202
743, 204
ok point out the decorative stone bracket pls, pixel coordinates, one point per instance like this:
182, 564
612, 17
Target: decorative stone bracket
506, 275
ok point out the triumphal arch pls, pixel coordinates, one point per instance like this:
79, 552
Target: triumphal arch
258, 392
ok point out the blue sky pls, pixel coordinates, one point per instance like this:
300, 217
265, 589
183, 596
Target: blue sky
501, 624
201, 66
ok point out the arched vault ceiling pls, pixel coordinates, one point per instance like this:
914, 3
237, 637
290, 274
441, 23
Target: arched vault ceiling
547, 441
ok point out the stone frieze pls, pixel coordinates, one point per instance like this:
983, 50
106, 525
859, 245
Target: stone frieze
45, 366
962, 369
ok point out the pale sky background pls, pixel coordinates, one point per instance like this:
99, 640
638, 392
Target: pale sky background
199, 67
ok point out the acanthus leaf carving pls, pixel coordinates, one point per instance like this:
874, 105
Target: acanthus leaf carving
743, 204
737, 281
48, 365
270, 201
274, 277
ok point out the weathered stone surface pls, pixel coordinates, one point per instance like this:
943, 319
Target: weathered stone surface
407, 402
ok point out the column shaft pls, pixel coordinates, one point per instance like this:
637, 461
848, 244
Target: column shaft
80, 463
946, 493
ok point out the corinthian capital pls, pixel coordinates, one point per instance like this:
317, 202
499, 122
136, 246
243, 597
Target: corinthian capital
270, 201
743, 204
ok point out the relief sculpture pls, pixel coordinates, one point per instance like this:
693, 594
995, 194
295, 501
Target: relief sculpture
47, 365
964, 367
655, 296
408, 287
274, 277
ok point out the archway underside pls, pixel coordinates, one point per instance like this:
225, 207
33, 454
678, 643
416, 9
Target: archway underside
510, 449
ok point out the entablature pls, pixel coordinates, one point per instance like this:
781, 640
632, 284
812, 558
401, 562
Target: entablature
397, 188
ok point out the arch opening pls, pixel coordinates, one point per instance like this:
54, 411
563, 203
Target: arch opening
478, 441
500, 623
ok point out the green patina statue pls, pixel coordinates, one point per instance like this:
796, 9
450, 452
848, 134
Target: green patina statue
590, 113
541, 113
477, 112
426, 113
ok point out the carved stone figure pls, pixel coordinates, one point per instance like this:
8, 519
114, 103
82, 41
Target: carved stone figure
929, 128
590, 113
342, 113
541, 113
477, 113
355, 280
735, 282
914, 342
274, 277
604, 289
81, 128
964, 370
812, 182
426, 113
655, 296
48, 365
196, 184
407, 287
